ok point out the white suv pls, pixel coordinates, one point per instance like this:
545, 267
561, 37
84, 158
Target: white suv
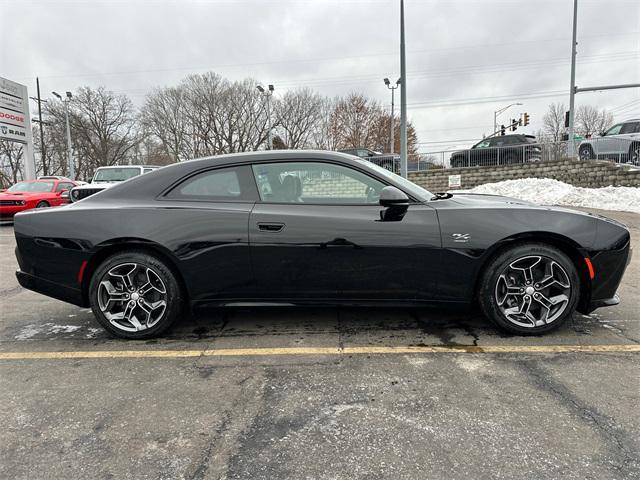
105, 177
620, 143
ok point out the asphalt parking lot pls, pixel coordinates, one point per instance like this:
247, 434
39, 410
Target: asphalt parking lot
318, 393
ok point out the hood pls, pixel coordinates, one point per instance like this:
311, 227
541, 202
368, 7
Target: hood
95, 185
485, 200
488, 200
19, 195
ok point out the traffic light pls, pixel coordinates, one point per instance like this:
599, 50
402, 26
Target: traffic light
514, 125
502, 129
525, 119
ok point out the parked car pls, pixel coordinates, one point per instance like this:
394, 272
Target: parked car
105, 177
314, 228
621, 142
34, 194
500, 150
389, 161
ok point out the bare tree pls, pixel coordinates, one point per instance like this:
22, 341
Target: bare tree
103, 129
553, 127
298, 112
11, 164
164, 115
589, 120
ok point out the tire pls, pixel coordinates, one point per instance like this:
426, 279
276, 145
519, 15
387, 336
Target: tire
634, 154
150, 284
42, 204
457, 163
510, 159
508, 301
586, 153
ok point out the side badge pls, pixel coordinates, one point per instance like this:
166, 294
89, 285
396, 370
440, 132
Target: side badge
461, 237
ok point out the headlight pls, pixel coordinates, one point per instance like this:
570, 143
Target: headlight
22, 202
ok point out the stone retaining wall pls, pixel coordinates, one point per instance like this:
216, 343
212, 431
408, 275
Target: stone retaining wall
590, 173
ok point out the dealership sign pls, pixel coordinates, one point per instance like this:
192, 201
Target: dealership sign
15, 123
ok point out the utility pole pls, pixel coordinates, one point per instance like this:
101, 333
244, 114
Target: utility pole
403, 98
392, 130
72, 173
268, 94
43, 150
42, 146
571, 148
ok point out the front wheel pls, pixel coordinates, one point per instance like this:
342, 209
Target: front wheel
134, 295
634, 154
42, 204
529, 289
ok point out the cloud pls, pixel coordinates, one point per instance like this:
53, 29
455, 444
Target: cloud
457, 49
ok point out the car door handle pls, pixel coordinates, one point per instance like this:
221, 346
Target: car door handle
270, 227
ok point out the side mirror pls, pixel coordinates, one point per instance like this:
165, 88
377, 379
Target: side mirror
64, 194
396, 204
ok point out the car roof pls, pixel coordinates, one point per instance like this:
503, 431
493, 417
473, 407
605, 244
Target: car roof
150, 183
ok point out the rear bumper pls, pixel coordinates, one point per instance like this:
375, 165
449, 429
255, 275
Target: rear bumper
51, 289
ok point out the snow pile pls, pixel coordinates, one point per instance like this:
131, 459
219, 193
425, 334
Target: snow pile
545, 191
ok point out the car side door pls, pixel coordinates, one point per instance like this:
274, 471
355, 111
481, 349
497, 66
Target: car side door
316, 233
60, 188
203, 221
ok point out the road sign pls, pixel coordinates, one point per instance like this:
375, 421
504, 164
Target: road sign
455, 181
15, 121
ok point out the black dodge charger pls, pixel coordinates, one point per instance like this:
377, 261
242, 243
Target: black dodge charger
314, 228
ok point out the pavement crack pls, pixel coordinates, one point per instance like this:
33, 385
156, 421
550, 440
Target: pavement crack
205, 459
614, 436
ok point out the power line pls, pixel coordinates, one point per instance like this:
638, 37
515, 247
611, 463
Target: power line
315, 60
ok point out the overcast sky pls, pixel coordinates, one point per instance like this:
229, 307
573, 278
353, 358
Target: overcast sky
465, 58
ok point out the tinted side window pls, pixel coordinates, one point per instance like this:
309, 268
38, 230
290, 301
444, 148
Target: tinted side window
64, 186
615, 130
631, 127
222, 185
315, 183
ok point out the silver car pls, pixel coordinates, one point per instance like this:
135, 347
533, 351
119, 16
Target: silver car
620, 143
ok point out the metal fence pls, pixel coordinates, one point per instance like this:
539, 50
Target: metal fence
617, 150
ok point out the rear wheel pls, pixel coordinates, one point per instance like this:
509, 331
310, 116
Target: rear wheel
42, 204
586, 153
529, 289
134, 295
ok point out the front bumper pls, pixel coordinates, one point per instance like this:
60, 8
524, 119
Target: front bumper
8, 211
609, 267
50, 289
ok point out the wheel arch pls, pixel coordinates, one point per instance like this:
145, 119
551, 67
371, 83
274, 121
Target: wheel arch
118, 245
563, 243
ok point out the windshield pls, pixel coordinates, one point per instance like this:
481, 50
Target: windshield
116, 174
32, 187
415, 190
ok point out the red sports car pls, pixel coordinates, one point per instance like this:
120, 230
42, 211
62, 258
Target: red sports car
34, 194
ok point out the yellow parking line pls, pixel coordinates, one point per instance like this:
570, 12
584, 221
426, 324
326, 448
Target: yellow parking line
252, 352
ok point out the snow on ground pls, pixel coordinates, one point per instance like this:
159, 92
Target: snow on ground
545, 191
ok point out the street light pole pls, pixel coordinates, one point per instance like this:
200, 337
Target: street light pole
572, 89
403, 98
498, 112
392, 131
268, 93
72, 173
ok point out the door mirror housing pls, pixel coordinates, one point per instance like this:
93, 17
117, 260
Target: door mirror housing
396, 204
392, 196
64, 194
